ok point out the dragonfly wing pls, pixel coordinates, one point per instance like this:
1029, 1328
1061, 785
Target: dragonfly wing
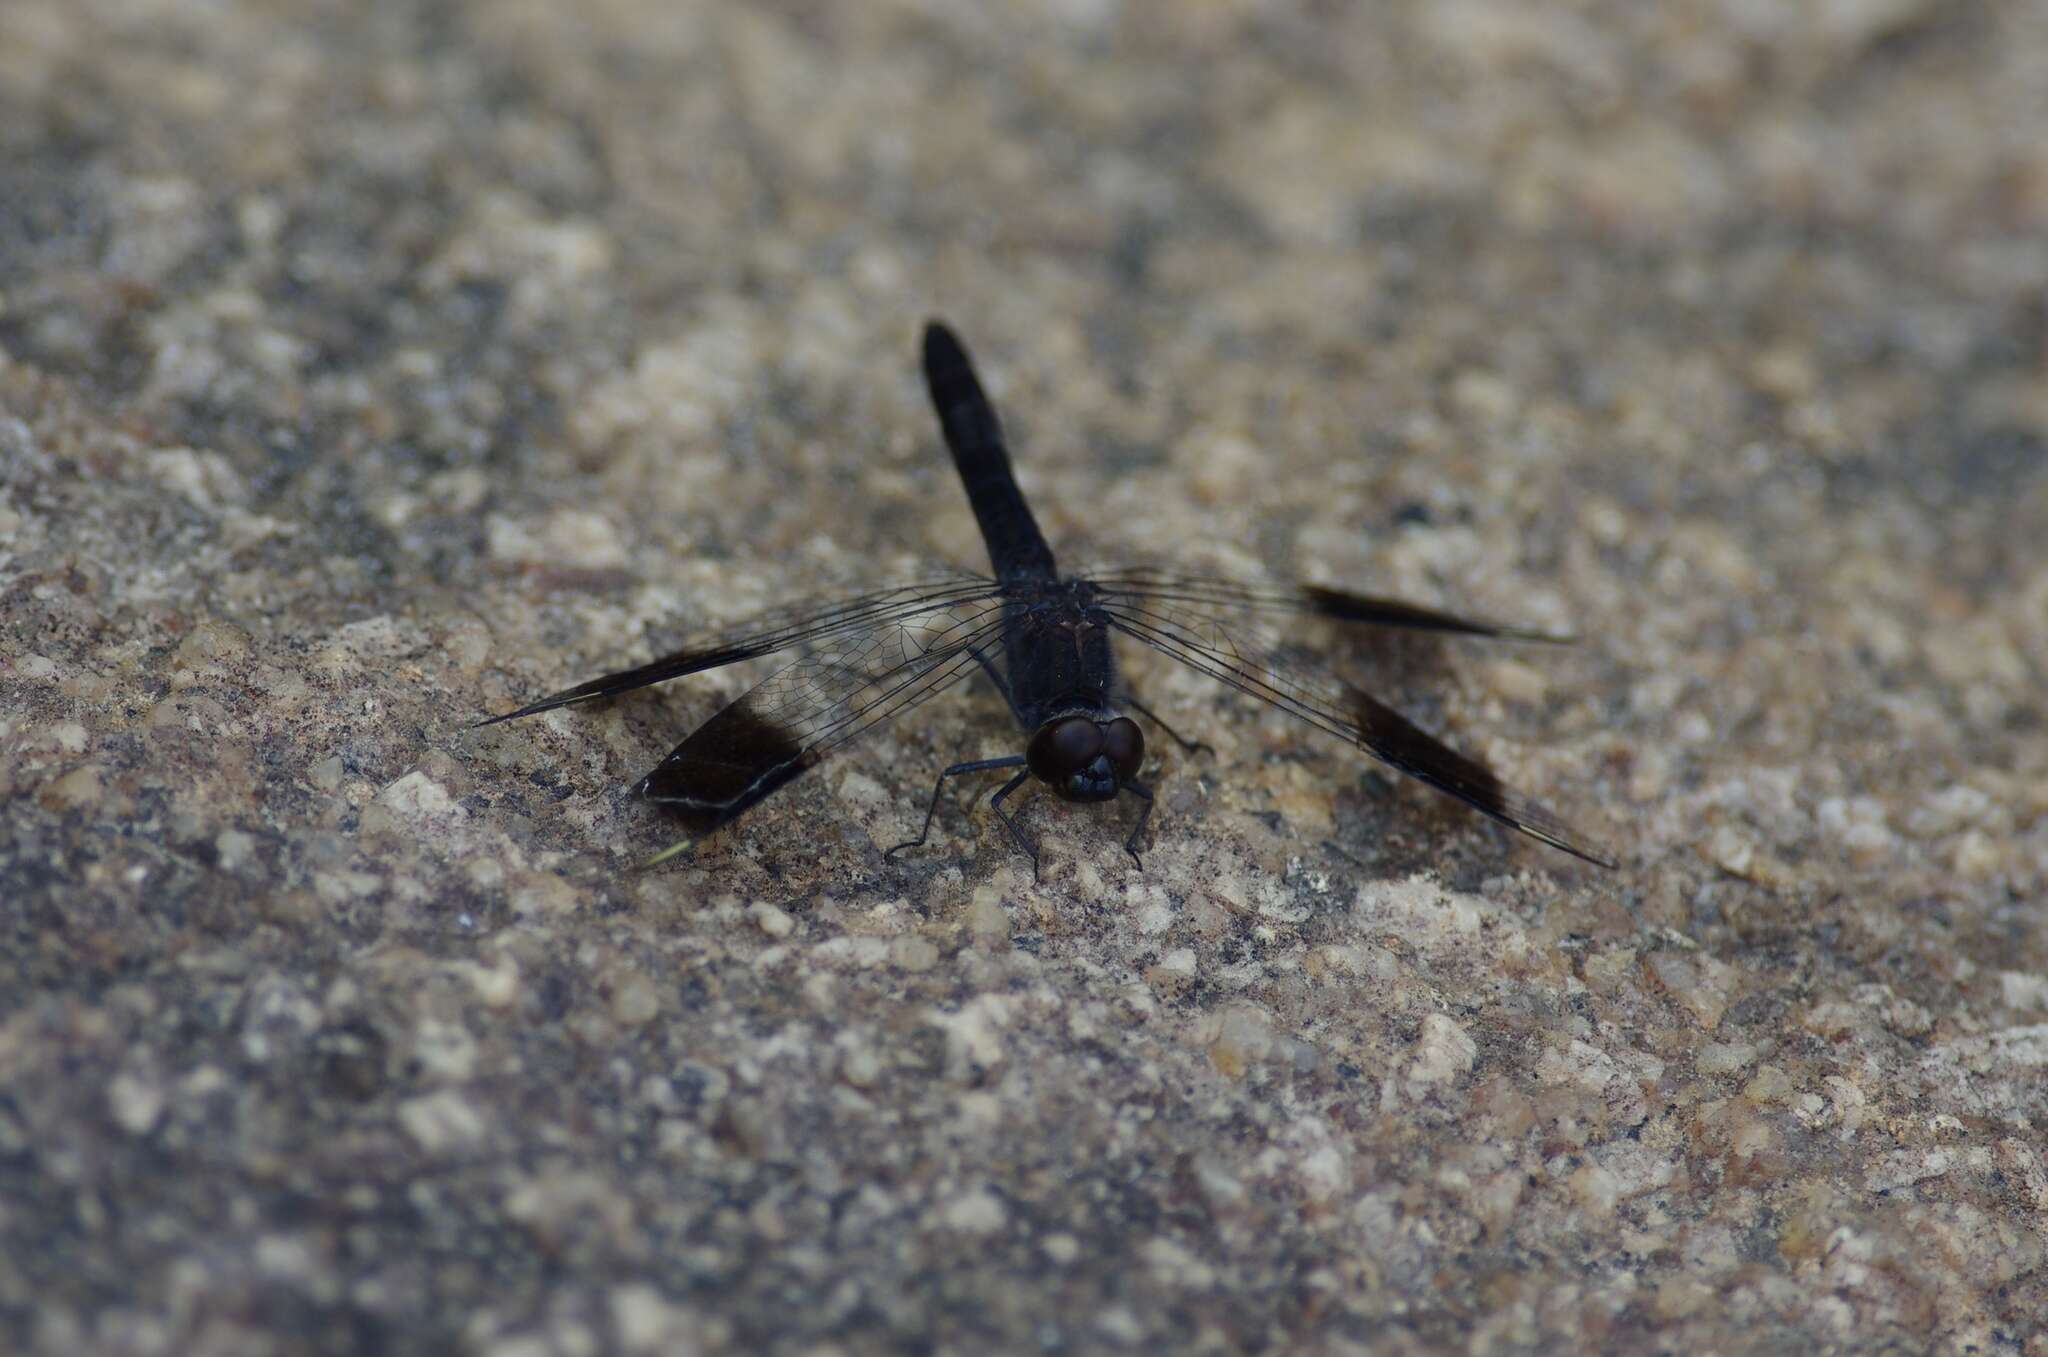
904, 606
792, 719
1253, 664
1214, 595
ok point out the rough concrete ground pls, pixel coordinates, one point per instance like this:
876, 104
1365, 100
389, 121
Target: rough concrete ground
368, 368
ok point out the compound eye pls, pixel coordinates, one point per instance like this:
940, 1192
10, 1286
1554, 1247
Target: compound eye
1124, 744
1076, 741
1065, 747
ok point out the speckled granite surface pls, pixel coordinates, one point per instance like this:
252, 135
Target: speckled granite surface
368, 368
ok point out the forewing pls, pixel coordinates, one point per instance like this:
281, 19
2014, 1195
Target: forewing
908, 606
1253, 664
845, 686
1212, 595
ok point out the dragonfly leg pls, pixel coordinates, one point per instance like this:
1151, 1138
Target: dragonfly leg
1187, 746
995, 803
1002, 686
978, 766
1131, 844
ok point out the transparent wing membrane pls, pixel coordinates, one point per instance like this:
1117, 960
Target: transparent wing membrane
777, 630
815, 705
1293, 599
1242, 657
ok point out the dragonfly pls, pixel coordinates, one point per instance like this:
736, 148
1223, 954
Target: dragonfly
1047, 642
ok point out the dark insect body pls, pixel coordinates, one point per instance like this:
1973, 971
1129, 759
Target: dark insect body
1044, 639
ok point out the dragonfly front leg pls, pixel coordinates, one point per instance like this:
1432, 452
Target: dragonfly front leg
978, 766
995, 803
1137, 830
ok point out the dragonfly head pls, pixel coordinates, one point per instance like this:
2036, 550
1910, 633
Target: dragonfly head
1083, 759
